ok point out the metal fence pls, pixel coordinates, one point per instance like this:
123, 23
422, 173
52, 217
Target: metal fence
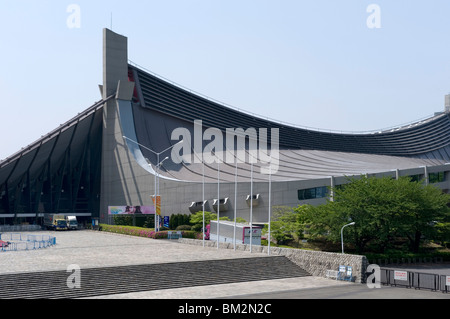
16, 242
416, 280
18, 228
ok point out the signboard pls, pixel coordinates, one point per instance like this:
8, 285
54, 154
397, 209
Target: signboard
401, 275
349, 271
131, 210
166, 221
447, 280
256, 235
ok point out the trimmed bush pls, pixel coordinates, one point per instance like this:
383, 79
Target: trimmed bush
184, 227
145, 232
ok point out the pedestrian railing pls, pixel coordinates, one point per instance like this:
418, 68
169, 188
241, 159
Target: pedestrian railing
19, 228
416, 280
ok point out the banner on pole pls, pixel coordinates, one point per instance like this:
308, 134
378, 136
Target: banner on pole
157, 204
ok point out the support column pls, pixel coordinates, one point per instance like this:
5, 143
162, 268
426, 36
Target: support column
122, 181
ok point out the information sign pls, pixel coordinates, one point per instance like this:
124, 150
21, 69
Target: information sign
400, 275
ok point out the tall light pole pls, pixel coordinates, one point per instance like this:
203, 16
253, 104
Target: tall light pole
342, 234
218, 202
235, 204
270, 209
157, 191
157, 168
251, 207
203, 200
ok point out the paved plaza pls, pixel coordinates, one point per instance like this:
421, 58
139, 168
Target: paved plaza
90, 249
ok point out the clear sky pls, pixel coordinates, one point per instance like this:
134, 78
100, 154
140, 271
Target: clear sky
320, 63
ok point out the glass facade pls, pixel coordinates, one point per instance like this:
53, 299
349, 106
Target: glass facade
313, 193
438, 177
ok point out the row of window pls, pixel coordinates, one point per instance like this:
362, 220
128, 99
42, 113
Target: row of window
312, 193
433, 178
436, 177
322, 192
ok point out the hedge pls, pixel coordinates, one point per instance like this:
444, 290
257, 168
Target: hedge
145, 232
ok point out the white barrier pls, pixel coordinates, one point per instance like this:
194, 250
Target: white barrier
17, 241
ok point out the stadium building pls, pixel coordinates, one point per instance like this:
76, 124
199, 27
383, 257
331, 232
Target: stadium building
148, 136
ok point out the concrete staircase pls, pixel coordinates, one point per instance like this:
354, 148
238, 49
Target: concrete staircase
128, 279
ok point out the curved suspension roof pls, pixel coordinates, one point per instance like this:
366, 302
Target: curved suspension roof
428, 139
161, 107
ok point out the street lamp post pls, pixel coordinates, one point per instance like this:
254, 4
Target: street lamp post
270, 209
158, 165
157, 190
342, 234
218, 203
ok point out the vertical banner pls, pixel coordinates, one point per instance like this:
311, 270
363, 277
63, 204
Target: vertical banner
157, 204
166, 221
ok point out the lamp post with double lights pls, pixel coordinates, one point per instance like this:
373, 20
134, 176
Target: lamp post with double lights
158, 165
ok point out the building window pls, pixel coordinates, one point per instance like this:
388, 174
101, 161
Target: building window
312, 193
436, 177
416, 178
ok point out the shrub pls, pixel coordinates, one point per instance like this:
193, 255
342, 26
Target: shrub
184, 227
178, 220
145, 232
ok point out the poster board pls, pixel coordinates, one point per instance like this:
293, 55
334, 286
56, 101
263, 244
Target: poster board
131, 210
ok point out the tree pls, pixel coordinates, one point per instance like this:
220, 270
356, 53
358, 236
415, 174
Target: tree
196, 219
284, 225
430, 209
382, 208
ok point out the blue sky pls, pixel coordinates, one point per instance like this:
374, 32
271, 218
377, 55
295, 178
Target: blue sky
311, 63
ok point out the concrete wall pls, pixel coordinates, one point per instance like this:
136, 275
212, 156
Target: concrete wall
315, 262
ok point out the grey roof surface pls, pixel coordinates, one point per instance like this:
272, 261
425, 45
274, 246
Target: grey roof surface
300, 165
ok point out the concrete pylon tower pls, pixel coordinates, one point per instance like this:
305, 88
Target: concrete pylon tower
447, 103
118, 169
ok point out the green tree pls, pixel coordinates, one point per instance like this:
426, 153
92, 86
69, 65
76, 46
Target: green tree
382, 208
196, 219
285, 226
430, 210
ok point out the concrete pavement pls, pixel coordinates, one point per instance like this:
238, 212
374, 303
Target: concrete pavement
90, 249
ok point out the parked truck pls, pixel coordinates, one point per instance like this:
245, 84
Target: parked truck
55, 222
72, 222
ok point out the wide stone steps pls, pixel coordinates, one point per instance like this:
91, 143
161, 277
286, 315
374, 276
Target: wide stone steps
139, 278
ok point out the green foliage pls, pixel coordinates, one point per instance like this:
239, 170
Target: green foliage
285, 225
124, 220
179, 219
382, 208
146, 221
196, 219
184, 227
145, 232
